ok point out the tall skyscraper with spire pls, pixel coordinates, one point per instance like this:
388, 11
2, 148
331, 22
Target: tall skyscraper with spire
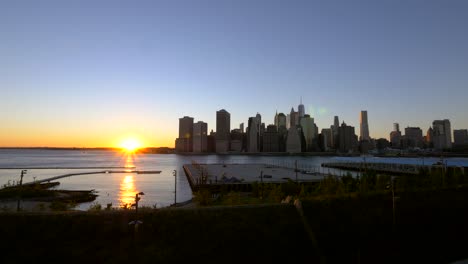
364, 126
301, 109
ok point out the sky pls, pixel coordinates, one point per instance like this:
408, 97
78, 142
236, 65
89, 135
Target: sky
90, 73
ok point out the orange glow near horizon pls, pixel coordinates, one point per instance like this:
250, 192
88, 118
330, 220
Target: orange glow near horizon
130, 145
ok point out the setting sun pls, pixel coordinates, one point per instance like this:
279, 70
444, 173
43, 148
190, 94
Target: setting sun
130, 144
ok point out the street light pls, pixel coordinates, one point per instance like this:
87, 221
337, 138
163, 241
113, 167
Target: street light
19, 190
175, 186
137, 198
392, 185
136, 222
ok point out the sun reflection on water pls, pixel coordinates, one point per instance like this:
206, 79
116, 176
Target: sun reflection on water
127, 185
127, 190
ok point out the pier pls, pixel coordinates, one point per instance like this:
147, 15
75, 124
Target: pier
66, 168
88, 173
240, 177
389, 168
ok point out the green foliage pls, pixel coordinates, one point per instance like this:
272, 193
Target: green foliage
276, 193
203, 197
290, 188
232, 198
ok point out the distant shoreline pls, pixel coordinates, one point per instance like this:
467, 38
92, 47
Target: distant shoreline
167, 150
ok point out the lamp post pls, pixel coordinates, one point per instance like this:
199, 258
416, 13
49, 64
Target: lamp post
296, 170
175, 186
261, 185
393, 178
136, 222
137, 198
19, 190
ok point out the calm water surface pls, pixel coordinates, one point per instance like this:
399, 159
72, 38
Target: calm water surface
121, 188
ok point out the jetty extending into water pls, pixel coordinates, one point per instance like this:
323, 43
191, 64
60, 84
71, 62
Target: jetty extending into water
390, 168
92, 172
66, 168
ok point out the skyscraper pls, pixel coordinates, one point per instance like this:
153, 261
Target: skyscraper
252, 135
293, 141
460, 137
200, 137
301, 109
309, 130
347, 138
413, 137
293, 118
364, 126
185, 140
223, 129
271, 139
335, 128
395, 136
276, 119
281, 120
326, 139
442, 134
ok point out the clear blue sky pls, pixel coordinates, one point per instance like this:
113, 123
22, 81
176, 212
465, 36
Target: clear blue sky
84, 73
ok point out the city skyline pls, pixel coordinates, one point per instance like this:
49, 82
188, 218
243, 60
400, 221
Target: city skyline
93, 74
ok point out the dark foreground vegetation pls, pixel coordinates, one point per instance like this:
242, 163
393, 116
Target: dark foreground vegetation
431, 227
343, 220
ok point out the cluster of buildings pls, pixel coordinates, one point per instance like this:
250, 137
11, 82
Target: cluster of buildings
438, 137
297, 132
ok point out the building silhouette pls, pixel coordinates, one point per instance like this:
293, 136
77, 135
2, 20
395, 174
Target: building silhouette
237, 138
282, 132
252, 135
347, 138
335, 129
460, 137
310, 131
326, 139
364, 126
294, 140
301, 109
293, 118
271, 139
442, 134
413, 138
395, 136
185, 140
223, 129
200, 137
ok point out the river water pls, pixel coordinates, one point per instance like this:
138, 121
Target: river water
120, 188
